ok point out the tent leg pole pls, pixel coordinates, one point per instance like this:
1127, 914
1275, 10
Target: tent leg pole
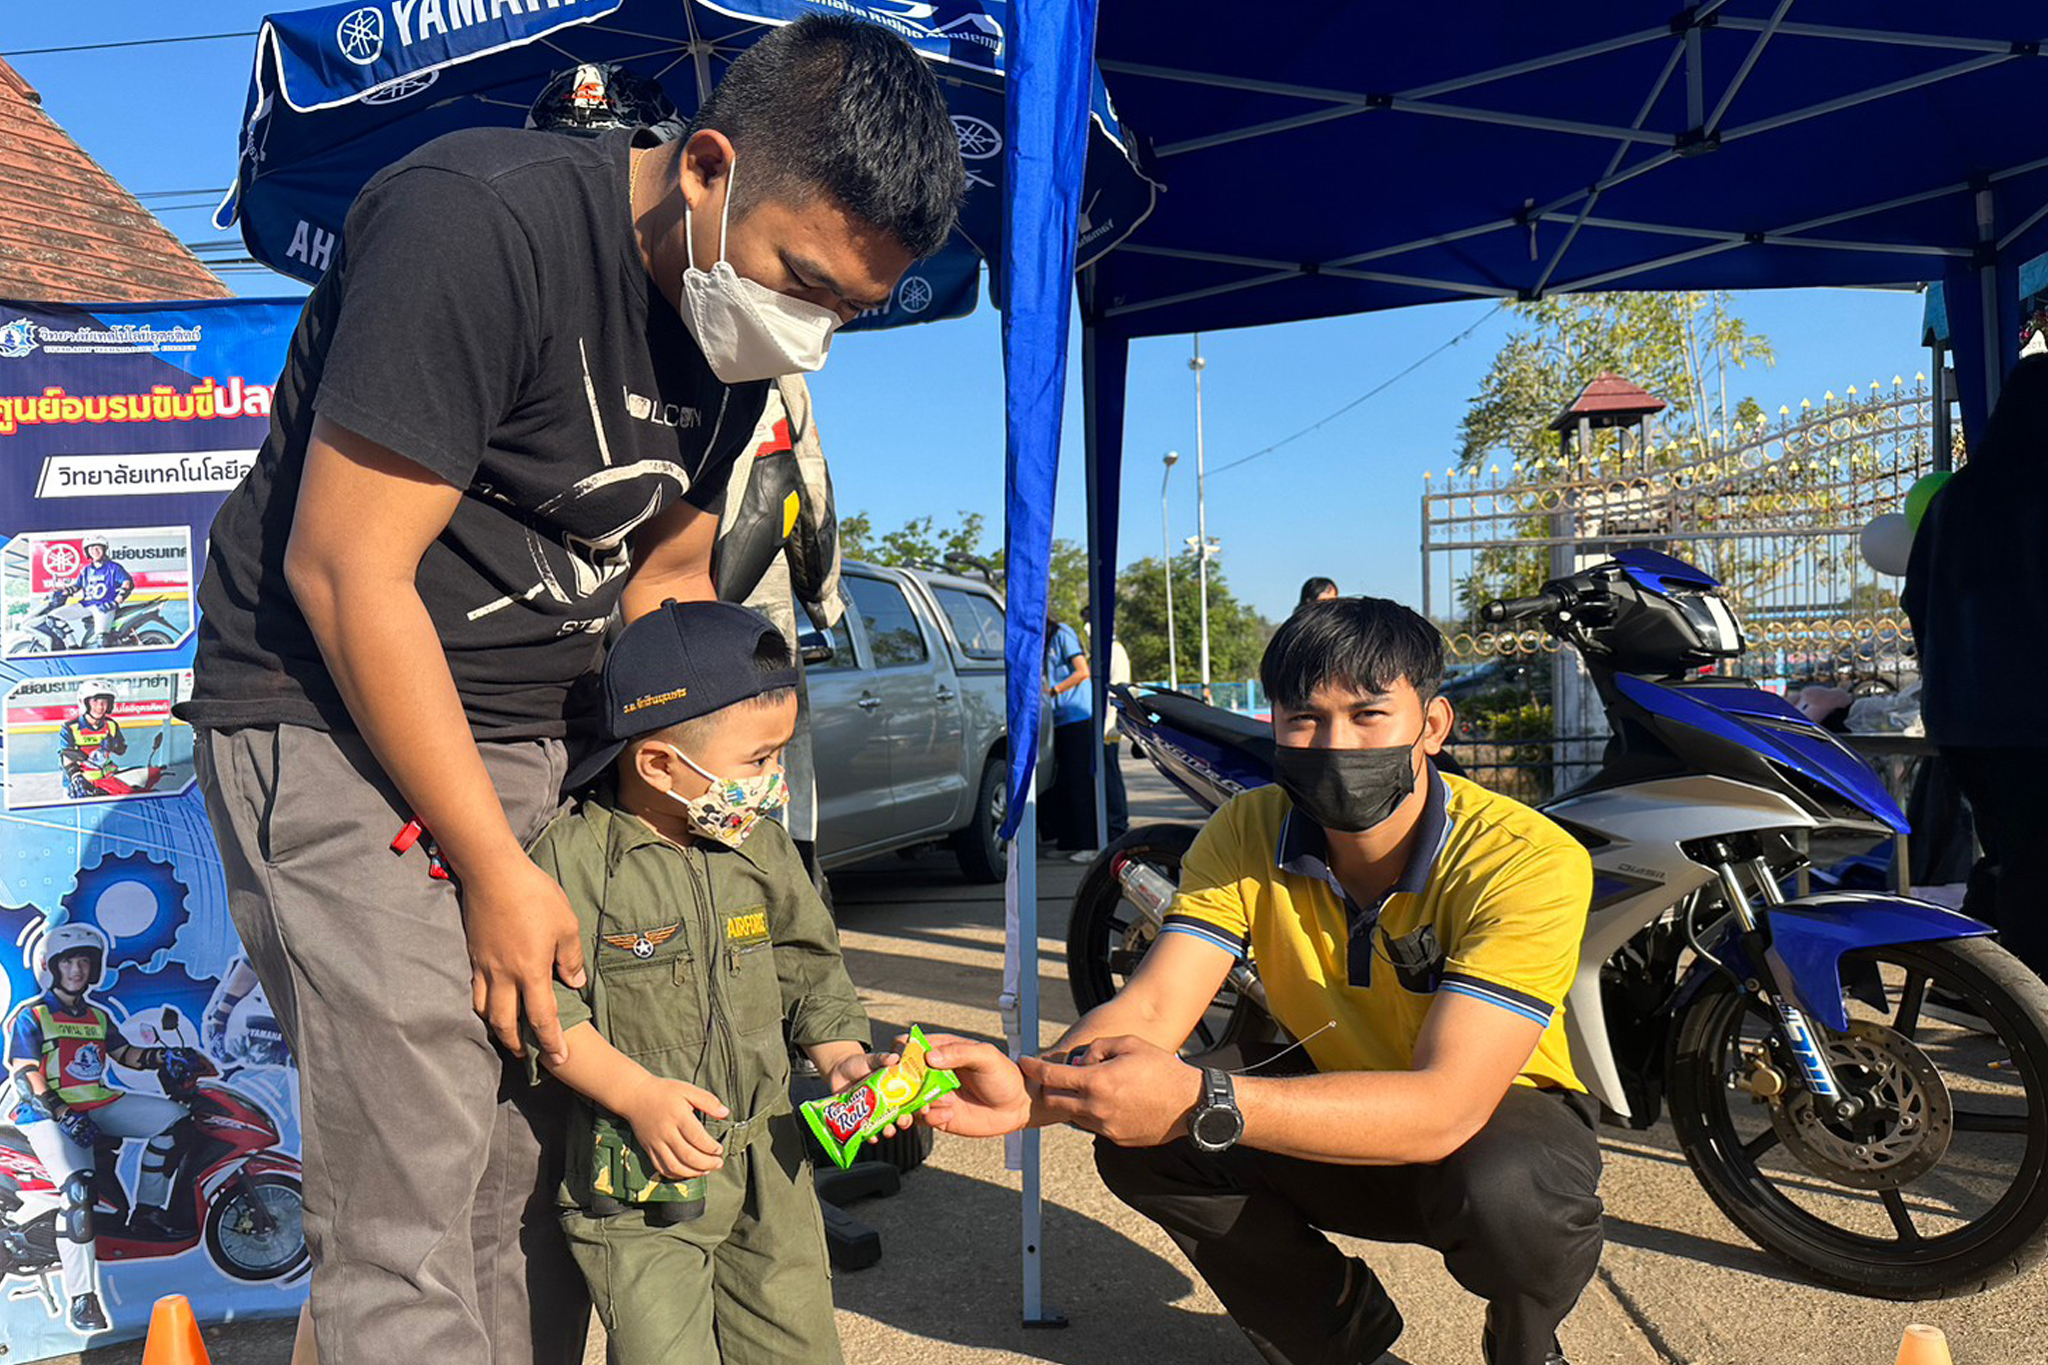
1987, 282
1098, 638
1944, 441
1024, 853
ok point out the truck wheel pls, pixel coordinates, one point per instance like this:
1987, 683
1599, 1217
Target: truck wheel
984, 857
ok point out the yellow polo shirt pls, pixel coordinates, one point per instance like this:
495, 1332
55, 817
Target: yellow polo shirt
1491, 905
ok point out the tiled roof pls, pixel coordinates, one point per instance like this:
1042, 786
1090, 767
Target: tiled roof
1607, 400
68, 231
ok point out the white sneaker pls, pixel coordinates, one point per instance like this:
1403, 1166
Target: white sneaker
1086, 855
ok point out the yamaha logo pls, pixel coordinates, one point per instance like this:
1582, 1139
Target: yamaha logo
360, 35
404, 88
979, 139
915, 294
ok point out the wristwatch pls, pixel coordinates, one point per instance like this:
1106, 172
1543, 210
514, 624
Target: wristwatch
1217, 1123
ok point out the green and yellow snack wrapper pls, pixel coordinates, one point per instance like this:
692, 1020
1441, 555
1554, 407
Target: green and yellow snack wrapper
620, 1171
844, 1121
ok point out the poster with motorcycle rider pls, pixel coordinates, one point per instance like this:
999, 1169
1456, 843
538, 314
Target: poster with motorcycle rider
96, 591
148, 1109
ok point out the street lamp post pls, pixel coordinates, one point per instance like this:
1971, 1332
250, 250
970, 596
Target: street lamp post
1166, 542
1197, 364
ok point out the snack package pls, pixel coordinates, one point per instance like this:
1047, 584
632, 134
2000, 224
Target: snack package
620, 1175
844, 1121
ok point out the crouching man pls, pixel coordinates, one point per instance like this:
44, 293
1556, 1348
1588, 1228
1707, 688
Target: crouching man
1417, 933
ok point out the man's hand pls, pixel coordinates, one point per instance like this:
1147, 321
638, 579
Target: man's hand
522, 935
664, 1115
991, 1100
1132, 1092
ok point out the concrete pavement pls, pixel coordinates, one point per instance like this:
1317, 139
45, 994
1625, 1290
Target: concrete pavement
1678, 1285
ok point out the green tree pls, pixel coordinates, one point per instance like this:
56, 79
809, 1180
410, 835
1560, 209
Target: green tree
919, 541
1237, 634
923, 543
1679, 346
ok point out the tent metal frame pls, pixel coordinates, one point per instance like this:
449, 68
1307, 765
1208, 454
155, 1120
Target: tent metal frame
1705, 131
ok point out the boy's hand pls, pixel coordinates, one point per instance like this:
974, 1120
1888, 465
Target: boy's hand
522, 934
856, 1067
664, 1118
851, 1070
991, 1100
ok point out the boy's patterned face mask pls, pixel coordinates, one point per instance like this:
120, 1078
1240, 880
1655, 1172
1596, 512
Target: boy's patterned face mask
732, 807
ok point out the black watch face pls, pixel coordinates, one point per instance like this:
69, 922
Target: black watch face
1217, 1127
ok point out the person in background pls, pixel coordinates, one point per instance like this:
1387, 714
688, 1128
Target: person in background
773, 553
103, 587
1115, 801
1316, 590
1071, 802
1977, 593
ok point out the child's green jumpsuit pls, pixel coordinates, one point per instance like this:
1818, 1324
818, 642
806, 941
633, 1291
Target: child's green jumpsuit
697, 957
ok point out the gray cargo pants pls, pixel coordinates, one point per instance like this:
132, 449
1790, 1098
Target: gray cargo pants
431, 1167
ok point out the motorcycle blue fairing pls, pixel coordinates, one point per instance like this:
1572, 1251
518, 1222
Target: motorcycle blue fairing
1767, 723
1659, 572
1810, 935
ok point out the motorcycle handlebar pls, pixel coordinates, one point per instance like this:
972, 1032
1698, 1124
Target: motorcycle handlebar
1519, 608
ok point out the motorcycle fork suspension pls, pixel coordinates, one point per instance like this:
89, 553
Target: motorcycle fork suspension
1800, 1038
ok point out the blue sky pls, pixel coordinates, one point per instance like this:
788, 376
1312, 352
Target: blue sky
912, 420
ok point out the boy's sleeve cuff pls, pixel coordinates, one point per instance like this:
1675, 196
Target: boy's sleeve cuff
818, 1020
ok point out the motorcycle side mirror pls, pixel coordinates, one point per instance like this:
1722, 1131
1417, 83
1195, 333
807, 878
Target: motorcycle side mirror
169, 1020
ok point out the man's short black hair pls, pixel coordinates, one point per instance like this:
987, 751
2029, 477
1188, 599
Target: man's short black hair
1364, 644
836, 104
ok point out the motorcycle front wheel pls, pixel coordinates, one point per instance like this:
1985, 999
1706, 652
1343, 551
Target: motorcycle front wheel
1939, 1187
1107, 937
256, 1228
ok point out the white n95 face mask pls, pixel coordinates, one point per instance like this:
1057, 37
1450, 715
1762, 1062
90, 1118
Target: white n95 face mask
746, 330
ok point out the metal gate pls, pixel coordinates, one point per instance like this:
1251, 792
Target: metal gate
1775, 512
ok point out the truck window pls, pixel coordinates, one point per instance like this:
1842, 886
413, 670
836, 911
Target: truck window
976, 620
894, 637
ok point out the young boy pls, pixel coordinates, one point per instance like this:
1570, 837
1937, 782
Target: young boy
705, 940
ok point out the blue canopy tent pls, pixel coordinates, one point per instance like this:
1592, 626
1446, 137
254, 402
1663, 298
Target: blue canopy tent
1344, 158
338, 92
1356, 158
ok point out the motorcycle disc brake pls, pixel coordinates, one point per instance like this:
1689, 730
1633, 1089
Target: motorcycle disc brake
1905, 1134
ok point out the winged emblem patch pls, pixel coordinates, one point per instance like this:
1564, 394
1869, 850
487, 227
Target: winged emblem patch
643, 944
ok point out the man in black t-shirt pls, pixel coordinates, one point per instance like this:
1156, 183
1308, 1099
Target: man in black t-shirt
506, 416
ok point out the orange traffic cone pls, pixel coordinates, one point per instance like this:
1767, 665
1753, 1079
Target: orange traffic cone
1922, 1345
174, 1334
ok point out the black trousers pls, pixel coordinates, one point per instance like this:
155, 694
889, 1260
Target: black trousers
1071, 802
1515, 1212
2009, 885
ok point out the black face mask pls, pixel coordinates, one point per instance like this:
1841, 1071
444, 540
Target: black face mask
1347, 790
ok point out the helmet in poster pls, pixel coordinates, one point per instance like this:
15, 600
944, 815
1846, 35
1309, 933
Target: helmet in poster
598, 96
94, 539
64, 939
95, 687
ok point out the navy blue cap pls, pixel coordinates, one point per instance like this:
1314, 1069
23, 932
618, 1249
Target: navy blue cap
678, 662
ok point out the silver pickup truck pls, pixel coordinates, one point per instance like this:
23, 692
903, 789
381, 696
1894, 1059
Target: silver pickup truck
907, 718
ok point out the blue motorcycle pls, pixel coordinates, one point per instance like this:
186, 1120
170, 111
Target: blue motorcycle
1859, 1081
